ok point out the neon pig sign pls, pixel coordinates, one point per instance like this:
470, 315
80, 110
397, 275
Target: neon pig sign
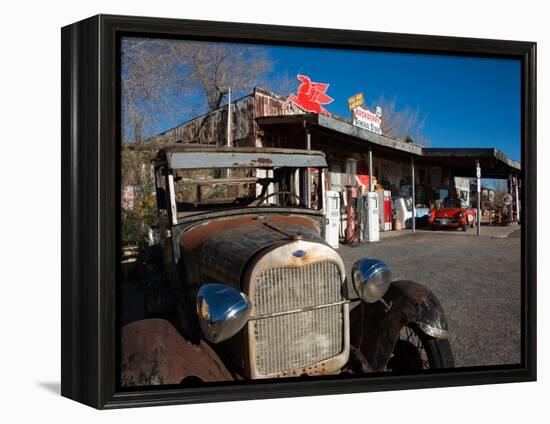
310, 96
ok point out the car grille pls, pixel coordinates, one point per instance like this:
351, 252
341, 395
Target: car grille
289, 341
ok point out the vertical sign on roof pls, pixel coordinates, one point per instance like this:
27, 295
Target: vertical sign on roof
356, 101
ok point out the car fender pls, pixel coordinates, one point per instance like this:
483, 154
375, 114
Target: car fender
154, 353
375, 329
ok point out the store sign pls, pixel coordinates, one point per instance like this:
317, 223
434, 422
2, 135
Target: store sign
310, 96
356, 101
368, 120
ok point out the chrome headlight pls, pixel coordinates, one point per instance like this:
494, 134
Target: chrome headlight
222, 311
371, 279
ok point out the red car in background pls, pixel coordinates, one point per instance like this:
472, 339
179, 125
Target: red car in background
452, 215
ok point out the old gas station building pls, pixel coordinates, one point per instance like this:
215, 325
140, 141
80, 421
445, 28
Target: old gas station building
406, 169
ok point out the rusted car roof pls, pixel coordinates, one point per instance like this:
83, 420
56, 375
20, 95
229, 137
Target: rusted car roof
180, 156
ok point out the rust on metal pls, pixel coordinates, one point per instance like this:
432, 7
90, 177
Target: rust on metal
198, 234
375, 331
154, 353
219, 250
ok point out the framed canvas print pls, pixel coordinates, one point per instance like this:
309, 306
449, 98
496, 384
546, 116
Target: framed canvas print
255, 211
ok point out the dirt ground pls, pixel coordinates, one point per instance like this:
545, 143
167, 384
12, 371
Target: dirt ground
477, 279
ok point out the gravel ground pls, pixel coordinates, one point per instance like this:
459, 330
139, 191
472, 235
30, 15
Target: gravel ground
477, 280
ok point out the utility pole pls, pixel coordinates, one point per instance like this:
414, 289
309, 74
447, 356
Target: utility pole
516, 197
229, 119
478, 183
413, 195
307, 178
371, 179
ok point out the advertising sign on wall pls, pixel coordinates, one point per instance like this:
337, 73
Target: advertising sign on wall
368, 120
356, 101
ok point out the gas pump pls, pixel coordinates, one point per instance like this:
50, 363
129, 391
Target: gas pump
351, 237
332, 214
385, 212
372, 225
351, 233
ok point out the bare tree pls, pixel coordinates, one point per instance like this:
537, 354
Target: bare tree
164, 81
148, 79
215, 67
283, 83
406, 123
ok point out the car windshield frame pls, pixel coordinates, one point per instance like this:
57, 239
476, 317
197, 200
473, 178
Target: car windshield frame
271, 162
205, 157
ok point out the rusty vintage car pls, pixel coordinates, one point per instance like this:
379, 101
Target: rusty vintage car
257, 292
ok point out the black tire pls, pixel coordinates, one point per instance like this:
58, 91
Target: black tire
192, 381
464, 228
416, 351
442, 355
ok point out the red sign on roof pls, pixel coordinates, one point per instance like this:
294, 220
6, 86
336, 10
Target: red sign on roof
310, 96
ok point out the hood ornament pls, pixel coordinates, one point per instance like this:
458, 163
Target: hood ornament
299, 253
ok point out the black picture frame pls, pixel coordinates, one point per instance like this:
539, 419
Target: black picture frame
91, 199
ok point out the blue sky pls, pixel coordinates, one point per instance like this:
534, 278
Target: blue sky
468, 102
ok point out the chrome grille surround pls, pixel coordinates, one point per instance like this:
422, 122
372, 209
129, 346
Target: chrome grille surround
300, 319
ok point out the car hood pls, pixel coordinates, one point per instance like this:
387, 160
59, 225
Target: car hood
448, 212
219, 250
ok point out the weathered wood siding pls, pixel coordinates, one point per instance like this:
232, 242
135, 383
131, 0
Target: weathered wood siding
211, 128
270, 104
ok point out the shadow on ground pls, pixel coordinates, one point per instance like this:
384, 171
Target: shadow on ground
51, 386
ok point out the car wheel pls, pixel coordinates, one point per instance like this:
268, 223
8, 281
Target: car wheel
192, 381
416, 351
